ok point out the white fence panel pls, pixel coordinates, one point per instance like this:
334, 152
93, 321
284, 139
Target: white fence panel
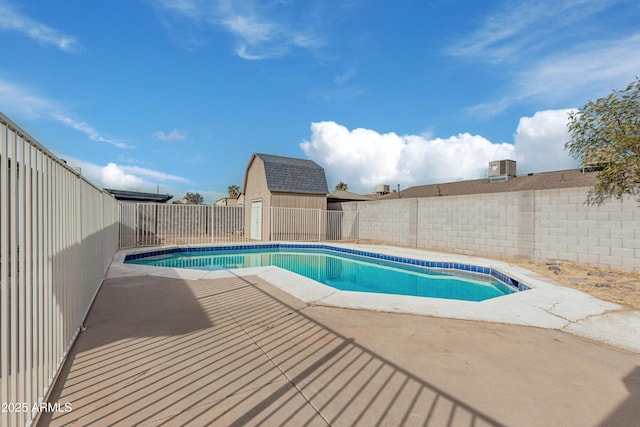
128, 229
297, 224
155, 224
152, 224
335, 227
228, 223
58, 234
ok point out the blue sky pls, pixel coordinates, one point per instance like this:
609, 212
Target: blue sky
177, 94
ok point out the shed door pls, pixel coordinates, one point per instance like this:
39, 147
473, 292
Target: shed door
256, 220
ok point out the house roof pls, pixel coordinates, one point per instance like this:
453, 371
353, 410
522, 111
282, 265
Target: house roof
136, 196
183, 201
289, 175
536, 181
344, 196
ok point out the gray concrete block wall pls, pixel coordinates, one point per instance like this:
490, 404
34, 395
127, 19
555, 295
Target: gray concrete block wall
389, 221
531, 225
485, 224
569, 229
349, 227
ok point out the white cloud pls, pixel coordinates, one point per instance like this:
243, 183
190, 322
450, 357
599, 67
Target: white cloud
539, 142
22, 102
339, 93
87, 130
260, 30
12, 20
343, 88
126, 177
262, 33
189, 8
155, 175
90, 171
346, 76
173, 135
518, 28
17, 100
551, 52
250, 28
573, 76
114, 176
588, 68
364, 158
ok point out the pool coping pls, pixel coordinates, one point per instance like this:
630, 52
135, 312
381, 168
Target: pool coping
443, 266
546, 304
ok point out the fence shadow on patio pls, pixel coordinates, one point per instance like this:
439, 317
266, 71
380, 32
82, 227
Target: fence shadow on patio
237, 353
627, 413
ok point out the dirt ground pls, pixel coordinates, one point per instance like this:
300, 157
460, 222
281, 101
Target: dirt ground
620, 287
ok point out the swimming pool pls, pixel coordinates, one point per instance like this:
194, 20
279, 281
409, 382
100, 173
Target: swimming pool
345, 269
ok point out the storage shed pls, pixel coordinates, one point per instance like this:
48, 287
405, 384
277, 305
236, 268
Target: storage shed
280, 182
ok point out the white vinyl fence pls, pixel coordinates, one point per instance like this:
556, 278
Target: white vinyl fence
155, 224
152, 224
58, 234
297, 224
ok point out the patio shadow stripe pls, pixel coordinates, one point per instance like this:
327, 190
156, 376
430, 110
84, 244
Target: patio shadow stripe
255, 411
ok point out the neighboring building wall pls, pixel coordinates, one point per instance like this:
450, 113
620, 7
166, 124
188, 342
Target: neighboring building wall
529, 225
227, 201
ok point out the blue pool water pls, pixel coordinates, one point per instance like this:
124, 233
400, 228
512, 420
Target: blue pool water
342, 271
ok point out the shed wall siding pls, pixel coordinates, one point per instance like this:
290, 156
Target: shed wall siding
256, 189
299, 200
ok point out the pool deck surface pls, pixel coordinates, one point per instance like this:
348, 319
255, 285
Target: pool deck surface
238, 347
545, 305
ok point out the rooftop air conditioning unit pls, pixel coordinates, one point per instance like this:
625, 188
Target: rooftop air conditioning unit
502, 170
382, 189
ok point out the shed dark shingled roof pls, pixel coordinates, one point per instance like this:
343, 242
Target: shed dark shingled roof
538, 181
291, 175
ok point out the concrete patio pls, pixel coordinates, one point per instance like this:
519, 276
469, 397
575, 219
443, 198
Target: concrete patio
239, 351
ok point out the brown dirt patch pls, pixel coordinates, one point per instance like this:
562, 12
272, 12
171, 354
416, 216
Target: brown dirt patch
620, 287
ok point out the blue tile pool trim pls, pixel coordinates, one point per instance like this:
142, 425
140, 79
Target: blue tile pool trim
401, 260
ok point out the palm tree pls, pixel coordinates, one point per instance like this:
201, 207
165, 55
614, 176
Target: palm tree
194, 198
342, 186
233, 191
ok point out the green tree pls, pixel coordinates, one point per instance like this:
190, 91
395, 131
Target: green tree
605, 134
194, 198
233, 191
342, 186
